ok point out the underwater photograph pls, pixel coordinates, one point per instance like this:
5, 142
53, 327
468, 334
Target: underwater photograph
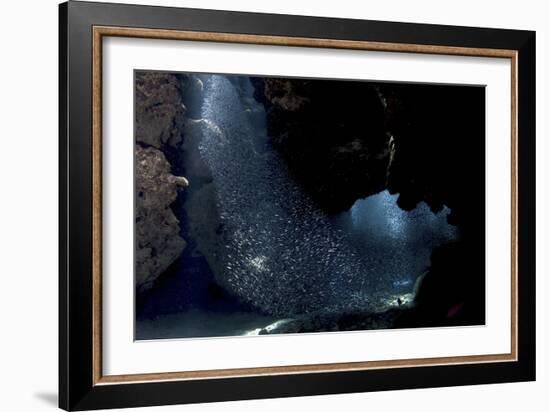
271, 205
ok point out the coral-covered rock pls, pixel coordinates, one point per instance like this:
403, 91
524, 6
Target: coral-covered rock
160, 120
160, 111
158, 243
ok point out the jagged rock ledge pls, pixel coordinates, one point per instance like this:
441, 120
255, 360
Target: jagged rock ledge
160, 119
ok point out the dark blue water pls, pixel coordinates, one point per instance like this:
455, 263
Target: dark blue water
275, 253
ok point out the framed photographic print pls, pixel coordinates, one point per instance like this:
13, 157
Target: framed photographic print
257, 205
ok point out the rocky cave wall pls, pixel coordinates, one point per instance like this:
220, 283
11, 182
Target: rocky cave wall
347, 140
160, 119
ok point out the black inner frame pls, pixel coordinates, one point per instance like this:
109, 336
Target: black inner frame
76, 388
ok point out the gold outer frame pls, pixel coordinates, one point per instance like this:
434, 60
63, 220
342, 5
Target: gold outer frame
101, 31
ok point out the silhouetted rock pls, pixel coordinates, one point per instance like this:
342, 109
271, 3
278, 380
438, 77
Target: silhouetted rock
439, 136
452, 291
347, 140
332, 135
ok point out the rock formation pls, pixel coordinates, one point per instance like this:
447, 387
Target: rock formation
158, 242
160, 117
160, 112
332, 135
